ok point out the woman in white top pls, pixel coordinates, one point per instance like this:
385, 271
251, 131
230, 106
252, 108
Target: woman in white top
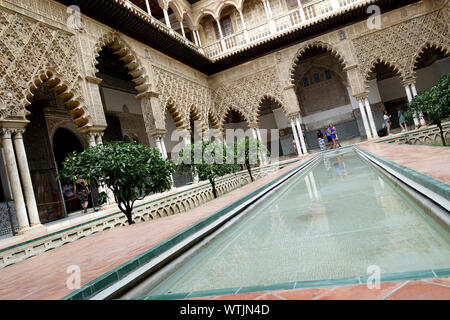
387, 122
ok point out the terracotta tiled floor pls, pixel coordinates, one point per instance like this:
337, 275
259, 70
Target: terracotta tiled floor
45, 276
432, 161
407, 290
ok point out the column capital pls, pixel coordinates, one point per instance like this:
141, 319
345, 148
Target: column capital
95, 130
361, 96
12, 127
408, 81
293, 116
158, 133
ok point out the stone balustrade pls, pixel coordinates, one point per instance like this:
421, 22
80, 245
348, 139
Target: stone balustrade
162, 207
428, 136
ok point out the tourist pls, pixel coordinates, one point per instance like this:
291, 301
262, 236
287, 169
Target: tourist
321, 140
335, 133
332, 132
295, 146
82, 193
330, 141
402, 120
70, 196
387, 122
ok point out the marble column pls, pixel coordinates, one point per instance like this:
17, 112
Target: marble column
269, 15
147, 5
244, 27
409, 96
91, 137
199, 39
222, 41
414, 94
182, 29
297, 143
364, 119
302, 12
166, 16
159, 146
371, 120
16, 187
263, 154
99, 138
300, 134
26, 179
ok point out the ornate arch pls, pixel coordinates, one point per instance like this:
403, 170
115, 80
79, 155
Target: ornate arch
311, 45
398, 71
69, 95
442, 48
201, 14
224, 115
272, 99
123, 51
34, 54
401, 43
196, 115
224, 4
176, 113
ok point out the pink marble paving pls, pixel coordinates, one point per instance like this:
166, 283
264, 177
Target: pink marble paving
432, 161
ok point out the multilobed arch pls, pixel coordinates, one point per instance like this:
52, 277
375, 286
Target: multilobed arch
311, 45
69, 94
440, 49
270, 99
175, 113
394, 69
125, 54
227, 112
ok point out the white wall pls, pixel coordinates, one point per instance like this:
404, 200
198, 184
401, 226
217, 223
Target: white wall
391, 89
115, 99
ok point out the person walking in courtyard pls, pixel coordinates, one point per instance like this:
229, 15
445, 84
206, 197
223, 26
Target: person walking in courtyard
330, 141
82, 193
335, 133
402, 120
332, 132
321, 140
387, 122
70, 196
295, 147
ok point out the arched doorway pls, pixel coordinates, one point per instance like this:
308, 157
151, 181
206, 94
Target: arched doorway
387, 90
275, 128
46, 153
64, 143
324, 95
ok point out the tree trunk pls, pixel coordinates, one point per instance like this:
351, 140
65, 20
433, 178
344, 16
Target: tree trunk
213, 184
249, 169
439, 124
129, 215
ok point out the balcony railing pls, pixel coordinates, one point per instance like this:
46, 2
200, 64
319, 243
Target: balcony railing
283, 23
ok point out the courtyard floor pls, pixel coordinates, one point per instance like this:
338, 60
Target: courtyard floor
45, 276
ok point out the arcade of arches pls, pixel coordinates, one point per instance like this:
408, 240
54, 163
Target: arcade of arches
63, 90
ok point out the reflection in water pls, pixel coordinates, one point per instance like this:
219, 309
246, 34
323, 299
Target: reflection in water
330, 222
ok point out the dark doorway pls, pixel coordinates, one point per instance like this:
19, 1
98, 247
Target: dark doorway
64, 143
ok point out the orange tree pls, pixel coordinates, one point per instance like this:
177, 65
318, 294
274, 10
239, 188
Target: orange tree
130, 170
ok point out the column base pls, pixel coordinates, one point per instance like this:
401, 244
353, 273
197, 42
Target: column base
37, 226
23, 231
